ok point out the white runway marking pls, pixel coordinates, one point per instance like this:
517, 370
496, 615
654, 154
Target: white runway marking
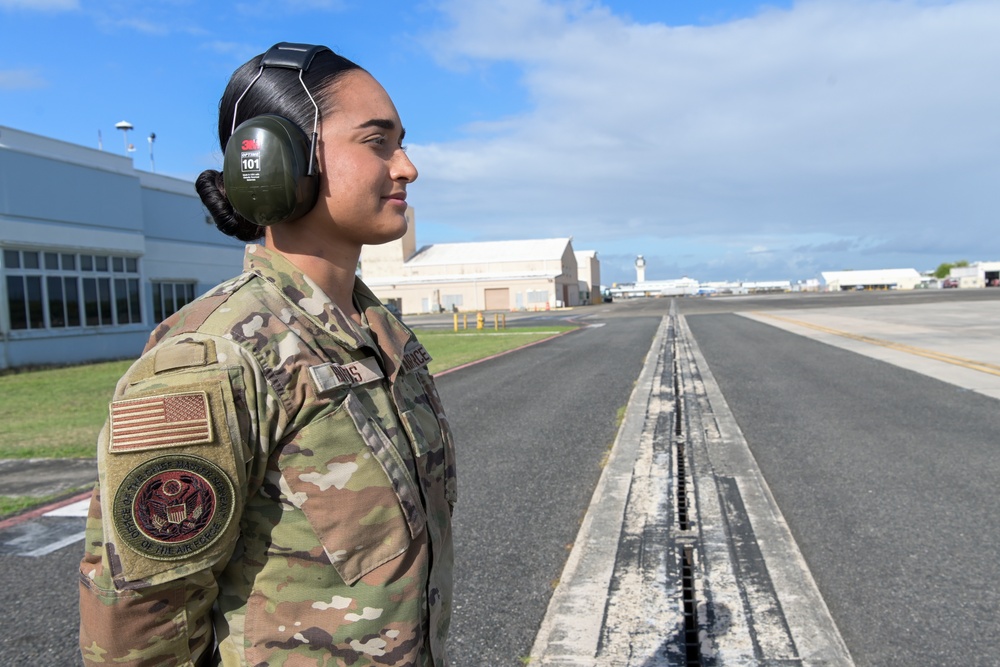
78, 509
55, 546
47, 533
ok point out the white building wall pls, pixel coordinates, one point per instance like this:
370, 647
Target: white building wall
439, 278
589, 275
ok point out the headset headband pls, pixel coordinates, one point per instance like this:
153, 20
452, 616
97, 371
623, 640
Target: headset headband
289, 56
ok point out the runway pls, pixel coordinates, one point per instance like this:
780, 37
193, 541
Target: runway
871, 420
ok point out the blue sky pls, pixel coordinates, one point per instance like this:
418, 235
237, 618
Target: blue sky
722, 140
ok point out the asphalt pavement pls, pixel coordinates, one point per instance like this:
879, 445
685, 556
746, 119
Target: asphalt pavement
833, 460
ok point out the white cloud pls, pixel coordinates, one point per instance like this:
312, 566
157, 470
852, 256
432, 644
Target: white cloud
859, 120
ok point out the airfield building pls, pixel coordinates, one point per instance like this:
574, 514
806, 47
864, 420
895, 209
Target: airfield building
905, 279
537, 274
93, 252
588, 269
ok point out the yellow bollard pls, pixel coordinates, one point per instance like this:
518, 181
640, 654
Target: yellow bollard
456, 321
465, 320
479, 320
496, 322
505, 321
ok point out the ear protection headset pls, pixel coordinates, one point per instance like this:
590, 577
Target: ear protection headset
269, 168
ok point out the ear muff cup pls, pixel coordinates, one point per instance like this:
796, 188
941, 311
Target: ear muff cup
265, 171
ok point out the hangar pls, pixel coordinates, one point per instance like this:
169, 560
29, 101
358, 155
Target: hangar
872, 279
94, 253
537, 274
977, 274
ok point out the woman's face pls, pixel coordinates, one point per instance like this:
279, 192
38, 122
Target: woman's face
364, 170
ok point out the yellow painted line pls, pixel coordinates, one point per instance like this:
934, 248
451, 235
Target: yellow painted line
971, 364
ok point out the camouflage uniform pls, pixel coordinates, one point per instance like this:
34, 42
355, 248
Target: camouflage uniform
276, 487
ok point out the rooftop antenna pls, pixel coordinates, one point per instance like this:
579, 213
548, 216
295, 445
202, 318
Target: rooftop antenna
152, 165
125, 126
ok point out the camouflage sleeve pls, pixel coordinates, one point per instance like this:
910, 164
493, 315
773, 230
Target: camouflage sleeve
176, 458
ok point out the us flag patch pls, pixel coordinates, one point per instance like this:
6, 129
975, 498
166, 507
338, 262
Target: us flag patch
154, 422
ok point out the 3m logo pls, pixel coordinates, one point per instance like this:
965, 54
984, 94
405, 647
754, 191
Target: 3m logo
250, 145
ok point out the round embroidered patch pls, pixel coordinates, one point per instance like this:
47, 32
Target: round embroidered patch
173, 507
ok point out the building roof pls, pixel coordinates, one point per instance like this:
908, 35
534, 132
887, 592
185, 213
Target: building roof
490, 251
398, 281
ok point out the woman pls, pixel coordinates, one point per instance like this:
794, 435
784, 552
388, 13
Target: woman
277, 473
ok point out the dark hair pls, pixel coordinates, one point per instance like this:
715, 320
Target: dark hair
277, 91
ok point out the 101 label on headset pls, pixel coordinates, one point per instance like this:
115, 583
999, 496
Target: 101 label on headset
250, 160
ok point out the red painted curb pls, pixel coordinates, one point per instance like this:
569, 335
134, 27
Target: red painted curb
39, 511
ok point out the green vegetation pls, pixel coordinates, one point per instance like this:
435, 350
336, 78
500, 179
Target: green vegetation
10, 505
450, 349
945, 268
55, 412
58, 412
620, 417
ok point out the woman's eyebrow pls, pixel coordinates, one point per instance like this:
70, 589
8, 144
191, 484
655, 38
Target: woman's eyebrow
385, 124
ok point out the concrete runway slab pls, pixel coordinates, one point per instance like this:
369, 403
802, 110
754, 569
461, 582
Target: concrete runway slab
956, 342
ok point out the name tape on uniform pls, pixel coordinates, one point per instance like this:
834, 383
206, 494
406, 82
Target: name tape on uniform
328, 377
415, 357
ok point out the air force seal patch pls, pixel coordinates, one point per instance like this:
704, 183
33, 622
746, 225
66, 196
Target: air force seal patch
173, 507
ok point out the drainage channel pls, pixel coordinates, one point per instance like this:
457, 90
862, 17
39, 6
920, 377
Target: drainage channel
683, 485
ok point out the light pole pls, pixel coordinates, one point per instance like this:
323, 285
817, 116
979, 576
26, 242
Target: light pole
125, 126
152, 165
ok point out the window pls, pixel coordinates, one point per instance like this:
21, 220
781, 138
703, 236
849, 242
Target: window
538, 296
451, 302
56, 290
168, 298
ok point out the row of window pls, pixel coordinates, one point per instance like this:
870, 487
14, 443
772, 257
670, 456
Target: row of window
64, 261
57, 302
49, 290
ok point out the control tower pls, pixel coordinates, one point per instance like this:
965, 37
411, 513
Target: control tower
640, 269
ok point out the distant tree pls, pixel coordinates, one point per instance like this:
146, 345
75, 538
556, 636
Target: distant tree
943, 270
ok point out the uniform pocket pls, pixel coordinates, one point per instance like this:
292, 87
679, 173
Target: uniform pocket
428, 428
349, 480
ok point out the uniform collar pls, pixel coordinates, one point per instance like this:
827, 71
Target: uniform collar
300, 291
392, 339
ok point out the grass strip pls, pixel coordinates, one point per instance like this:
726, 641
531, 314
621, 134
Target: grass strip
449, 349
11, 505
58, 412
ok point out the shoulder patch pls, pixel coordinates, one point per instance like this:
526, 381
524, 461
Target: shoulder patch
187, 354
154, 422
173, 507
